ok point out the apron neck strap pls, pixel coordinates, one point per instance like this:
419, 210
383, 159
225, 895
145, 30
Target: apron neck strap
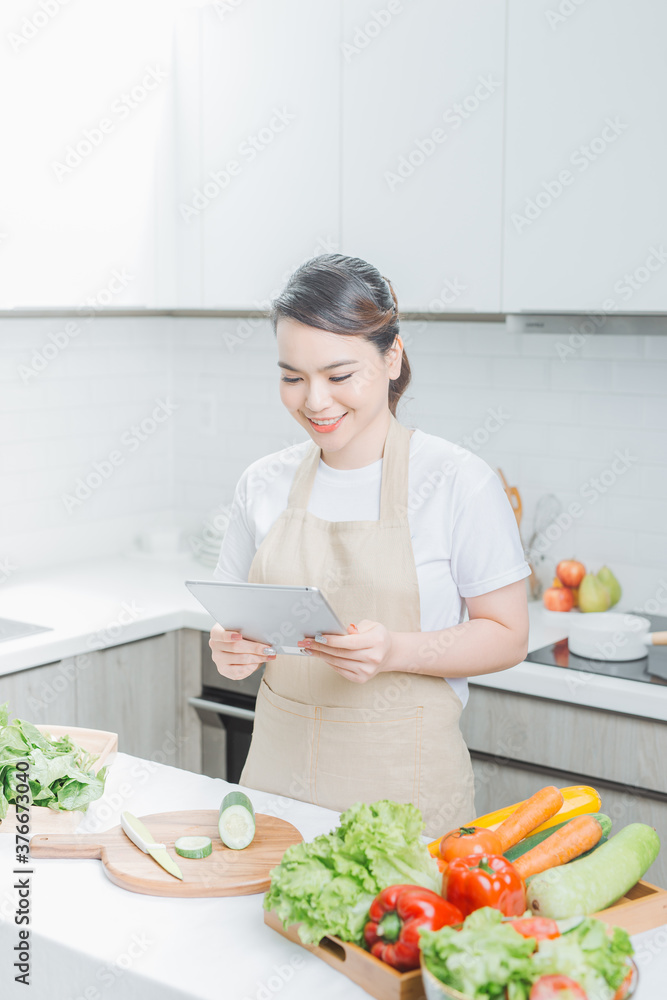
395, 466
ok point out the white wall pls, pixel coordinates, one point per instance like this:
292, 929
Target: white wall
564, 413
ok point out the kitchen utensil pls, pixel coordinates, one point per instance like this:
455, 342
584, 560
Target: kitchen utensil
641, 909
44, 820
609, 635
141, 836
223, 873
514, 498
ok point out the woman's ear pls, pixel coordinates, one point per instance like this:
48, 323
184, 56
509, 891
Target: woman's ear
395, 358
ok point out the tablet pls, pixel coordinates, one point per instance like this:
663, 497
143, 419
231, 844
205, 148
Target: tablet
265, 612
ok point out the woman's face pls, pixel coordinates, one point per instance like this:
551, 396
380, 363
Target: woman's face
332, 375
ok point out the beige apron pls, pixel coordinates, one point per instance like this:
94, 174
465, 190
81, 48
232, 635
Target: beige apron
324, 739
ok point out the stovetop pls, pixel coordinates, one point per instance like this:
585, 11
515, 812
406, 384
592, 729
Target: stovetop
651, 669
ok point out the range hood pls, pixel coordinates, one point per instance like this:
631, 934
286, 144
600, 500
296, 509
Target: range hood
586, 324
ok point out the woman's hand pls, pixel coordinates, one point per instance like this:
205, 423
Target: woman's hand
358, 656
236, 658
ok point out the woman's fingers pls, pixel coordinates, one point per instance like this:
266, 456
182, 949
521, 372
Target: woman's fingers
223, 640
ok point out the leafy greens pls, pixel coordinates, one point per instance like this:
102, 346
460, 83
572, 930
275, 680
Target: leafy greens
60, 773
328, 885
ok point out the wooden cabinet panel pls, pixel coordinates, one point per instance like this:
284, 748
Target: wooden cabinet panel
44, 694
188, 685
132, 690
620, 748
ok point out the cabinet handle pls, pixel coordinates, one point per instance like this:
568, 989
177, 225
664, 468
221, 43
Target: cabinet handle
221, 709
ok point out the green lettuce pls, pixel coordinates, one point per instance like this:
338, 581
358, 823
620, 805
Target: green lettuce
483, 959
488, 957
328, 884
60, 773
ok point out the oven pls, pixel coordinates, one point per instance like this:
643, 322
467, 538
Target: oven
226, 709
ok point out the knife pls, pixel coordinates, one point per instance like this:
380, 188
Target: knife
141, 837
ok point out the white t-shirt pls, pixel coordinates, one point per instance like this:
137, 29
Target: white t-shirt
464, 533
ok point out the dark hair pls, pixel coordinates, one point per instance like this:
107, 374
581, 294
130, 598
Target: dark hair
345, 295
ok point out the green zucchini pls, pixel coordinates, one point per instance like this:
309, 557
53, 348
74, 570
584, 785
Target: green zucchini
528, 843
587, 885
193, 847
236, 821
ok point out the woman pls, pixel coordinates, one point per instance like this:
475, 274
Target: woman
400, 529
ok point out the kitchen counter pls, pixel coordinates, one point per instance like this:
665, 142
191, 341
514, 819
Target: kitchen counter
101, 602
93, 940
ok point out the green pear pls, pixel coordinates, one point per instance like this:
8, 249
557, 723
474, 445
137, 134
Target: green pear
606, 577
593, 594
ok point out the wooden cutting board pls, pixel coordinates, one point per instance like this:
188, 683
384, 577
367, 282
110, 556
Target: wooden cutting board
223, 873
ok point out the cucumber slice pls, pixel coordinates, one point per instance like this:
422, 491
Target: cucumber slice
193, 847
236, 821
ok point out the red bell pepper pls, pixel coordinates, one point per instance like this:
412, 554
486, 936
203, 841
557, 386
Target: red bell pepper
396, 914
489, 880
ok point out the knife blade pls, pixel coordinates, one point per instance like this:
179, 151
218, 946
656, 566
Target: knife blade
140, 835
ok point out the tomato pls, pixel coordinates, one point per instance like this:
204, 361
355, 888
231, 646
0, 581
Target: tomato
467, 840
570, 572
556, 988
536, 927
558, 599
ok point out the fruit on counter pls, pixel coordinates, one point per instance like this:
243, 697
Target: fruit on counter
558, 599
467, 840
394, 919
577, 799
573, 590
236, 821
568, 842
593, 595
486, 880
61, 775
528, 816
570, 572
528, 843
328, 884
607, 578
590, 884
488, 959
556, 988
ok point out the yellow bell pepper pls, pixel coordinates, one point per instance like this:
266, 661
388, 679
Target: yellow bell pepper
577, 800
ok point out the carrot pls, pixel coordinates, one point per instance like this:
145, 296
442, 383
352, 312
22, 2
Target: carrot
573, 839
530, 814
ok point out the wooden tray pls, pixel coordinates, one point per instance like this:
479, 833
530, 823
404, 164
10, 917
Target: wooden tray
44, 820
223, 873
644, 907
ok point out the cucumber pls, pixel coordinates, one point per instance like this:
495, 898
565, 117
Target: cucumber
193, 847
587, 885
528, 843
236, 821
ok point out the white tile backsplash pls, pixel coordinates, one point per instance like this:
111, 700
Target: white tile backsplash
565, 422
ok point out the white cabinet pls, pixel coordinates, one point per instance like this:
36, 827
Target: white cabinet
422, 143
85, 152
584, 207
262, 193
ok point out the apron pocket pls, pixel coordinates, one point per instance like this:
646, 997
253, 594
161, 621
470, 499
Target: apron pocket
357, 759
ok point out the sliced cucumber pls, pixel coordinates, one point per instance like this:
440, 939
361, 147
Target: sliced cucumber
236, 821
193, 847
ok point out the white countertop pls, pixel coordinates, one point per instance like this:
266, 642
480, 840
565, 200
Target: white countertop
95, 603
93, 940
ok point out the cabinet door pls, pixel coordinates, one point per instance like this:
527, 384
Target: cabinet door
132, 689
263, 194
586, 149
86, 152
422, 122
44, 694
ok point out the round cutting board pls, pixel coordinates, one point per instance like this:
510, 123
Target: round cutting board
223, 873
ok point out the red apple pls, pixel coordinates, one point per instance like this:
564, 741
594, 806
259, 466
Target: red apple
570, 572
558, 599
